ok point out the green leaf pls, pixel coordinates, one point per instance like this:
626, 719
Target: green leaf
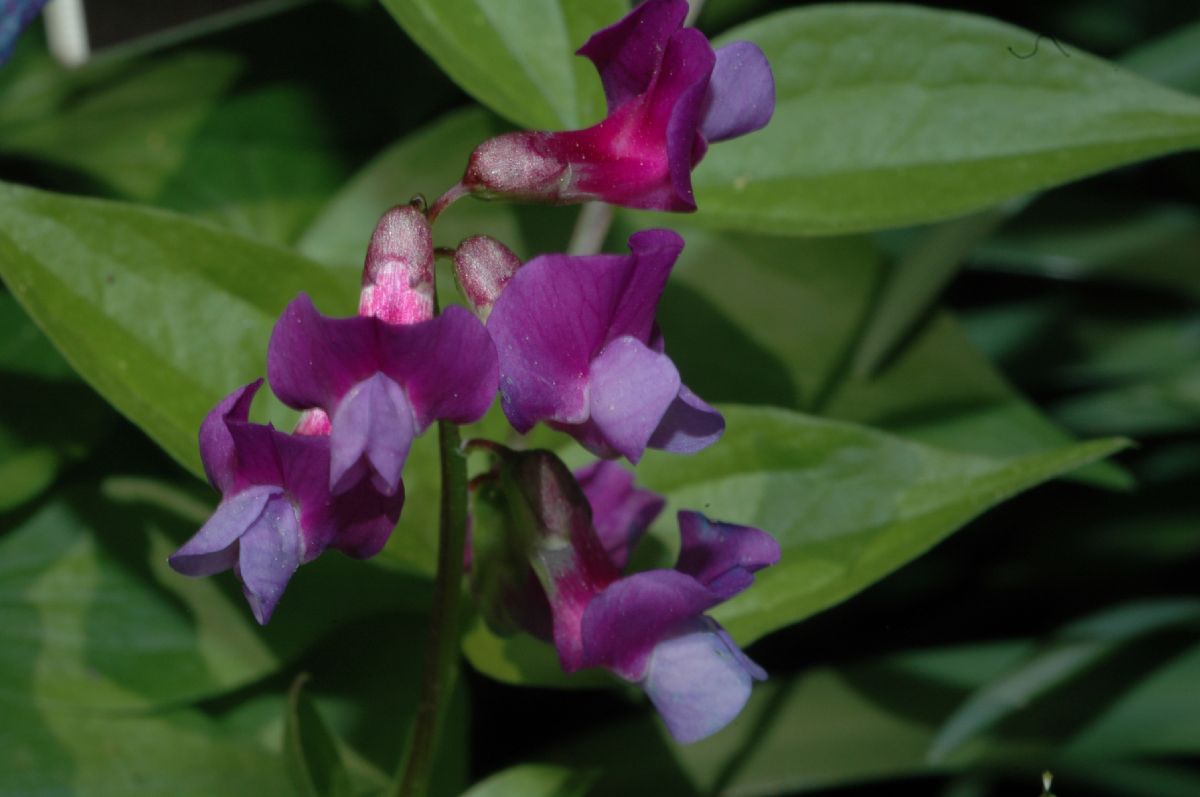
91, 617
262, 164
875, 720
25, 474
161, 314
183, 753
130, 127
246, 135
753, 319
848, 505
521, 659
1173, 60
1072, 344
516, 56
928, 265
881, 502
817, 729
311, 750
1150, 245
1167, 405
49, 419
1141, 779
533, 780
892, 115
24, 349
916, 280
1075, 649
115, 628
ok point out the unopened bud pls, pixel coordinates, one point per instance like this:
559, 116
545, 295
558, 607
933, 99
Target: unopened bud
482, 267
313, 423
397, 284
537, 561
522, 166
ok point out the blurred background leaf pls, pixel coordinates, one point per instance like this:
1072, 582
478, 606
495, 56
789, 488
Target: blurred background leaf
533, 780
311, 750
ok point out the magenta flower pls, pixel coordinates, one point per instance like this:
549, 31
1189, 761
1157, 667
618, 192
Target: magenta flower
669, 96
276, 511
381, 384
561, 580
579, 349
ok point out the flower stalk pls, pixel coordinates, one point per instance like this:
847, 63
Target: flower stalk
439, 669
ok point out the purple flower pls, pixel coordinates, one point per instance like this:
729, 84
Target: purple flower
276, 511
669, 96
561, 580
15, 15
651, 627
579, 349
381, 384
621, 512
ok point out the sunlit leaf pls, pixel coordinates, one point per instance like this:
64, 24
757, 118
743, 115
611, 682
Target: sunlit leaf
893, 115
161, 314
516, 56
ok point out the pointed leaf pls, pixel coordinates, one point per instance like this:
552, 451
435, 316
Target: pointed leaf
895, 115
516, 56
311, 750
161, 314
848, 504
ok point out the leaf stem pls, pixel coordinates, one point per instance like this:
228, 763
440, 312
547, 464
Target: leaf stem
591, 228
441, 648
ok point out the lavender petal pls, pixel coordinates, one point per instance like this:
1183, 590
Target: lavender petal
741, 93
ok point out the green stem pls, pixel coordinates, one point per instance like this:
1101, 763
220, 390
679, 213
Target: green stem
441, 648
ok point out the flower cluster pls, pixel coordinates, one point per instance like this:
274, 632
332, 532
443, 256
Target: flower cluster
568, 341
366, 385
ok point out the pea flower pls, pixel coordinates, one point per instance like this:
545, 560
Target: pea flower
669, 96
651, 627
382, 377
380, 384
538, 529
578, 348
276, 511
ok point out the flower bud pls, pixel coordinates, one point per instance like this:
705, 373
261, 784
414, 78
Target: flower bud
482, 267
522, 166
536, 559
397, 285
